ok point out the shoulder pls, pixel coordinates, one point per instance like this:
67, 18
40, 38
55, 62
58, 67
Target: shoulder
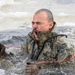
53, 33
60, 38
26, 46
29, 37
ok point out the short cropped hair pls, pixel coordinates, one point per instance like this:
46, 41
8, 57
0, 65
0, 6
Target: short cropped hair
48, 12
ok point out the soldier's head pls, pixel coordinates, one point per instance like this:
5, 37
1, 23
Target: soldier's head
43, 20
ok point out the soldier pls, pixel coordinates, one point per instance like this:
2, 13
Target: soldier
43, 44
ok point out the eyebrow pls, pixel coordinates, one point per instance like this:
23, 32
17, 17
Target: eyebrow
36, 22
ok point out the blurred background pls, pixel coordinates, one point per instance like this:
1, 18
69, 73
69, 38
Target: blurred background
17, 14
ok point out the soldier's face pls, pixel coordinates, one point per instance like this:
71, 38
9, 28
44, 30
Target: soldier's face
40, 22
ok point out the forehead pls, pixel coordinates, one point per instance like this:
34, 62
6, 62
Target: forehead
40, 16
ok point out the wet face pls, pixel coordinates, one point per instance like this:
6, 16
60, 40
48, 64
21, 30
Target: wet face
40, 22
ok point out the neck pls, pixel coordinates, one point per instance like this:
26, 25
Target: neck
42, 36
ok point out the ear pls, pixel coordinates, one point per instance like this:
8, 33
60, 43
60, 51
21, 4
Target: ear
51, 25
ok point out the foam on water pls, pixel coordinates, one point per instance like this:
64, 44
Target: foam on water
15, 24
2, 72
62, 14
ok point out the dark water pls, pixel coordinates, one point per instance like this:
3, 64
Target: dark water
15, 65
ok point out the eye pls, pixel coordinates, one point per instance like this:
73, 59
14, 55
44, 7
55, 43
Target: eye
38, 23
33, 22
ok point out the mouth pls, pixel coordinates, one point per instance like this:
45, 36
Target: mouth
35, 31
35, 34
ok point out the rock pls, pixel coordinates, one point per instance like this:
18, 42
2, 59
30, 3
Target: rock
2, 50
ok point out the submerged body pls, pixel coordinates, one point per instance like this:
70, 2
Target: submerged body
42, 45
58, 51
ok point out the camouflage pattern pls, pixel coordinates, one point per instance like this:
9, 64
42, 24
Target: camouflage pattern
60, 49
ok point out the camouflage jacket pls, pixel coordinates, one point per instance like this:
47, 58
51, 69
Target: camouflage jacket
57, 50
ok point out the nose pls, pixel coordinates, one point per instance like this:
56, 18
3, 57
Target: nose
34, 25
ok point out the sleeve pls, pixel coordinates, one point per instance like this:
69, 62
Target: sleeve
63, 52
25, 45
